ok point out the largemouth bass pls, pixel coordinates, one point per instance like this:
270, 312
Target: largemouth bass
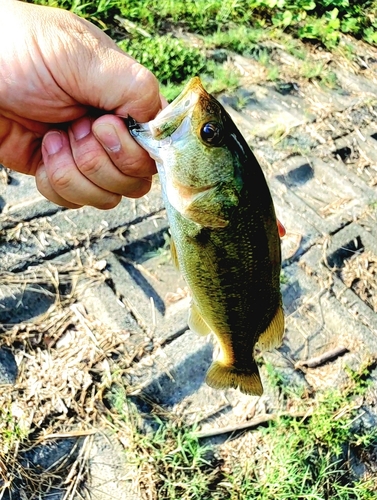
225, 237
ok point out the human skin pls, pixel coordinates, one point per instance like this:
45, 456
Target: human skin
65, 88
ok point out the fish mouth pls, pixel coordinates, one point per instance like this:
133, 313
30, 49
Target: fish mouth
169, 119
152, 140
142, 133
172, 124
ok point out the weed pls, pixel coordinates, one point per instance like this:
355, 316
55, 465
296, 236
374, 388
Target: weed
179, 461
329, 79
99, 13
218, 78
171, 461
327, 19
303, 459
167, 57
284, 280
325, 29
241, 102
359, 379
263, 57
273, 73
240, 39
365, 440
292, 458
312, 69
10, 430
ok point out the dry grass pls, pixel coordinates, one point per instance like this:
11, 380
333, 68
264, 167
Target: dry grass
360, 274
66, 360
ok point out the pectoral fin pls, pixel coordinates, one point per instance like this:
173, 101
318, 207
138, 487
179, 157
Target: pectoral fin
212, 208
273, 335
196, 322
173, 252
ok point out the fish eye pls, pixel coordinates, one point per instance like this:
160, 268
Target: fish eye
212, 133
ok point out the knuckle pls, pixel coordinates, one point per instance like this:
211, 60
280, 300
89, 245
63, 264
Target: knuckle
131, 165
61, 178
150, 82
149, 98
135, 164
88, 164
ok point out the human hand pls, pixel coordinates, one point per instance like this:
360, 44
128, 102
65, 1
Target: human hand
56, 69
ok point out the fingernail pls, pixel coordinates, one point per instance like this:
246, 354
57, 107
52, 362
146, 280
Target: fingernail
81, 128
108, 136
53, 142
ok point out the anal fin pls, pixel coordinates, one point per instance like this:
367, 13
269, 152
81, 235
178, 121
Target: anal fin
196, 322
273, 335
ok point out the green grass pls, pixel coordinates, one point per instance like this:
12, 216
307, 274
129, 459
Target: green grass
11, 436
292, 458
236, 25
170, 58
10, 430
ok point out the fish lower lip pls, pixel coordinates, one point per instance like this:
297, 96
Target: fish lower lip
132, 125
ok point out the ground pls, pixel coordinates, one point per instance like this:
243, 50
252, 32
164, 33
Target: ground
90, 301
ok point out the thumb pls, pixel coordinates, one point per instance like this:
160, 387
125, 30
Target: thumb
97, 72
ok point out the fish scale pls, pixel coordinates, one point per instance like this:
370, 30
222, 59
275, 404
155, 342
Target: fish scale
225, 237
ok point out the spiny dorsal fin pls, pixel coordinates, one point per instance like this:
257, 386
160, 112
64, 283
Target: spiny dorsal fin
273, 335
196, 322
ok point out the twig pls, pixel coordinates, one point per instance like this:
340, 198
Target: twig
321, 359
66, 435
132, 27
82, 461
255, 422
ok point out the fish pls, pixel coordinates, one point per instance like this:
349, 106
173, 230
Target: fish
224, 231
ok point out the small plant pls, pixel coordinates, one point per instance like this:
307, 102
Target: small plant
312, 69
273, 73
241, 39
325, 29
218, 78
167, 57
179, 462
303, 459
172, 463
263, 57
10, 431
284, 280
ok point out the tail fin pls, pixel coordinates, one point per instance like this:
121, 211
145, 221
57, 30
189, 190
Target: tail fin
220, 376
